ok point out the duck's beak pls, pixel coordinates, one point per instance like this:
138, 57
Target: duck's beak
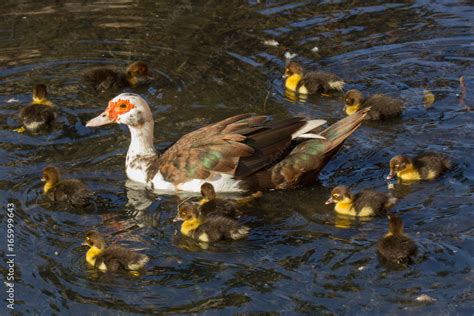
329, 201
84, 243
102, 119
43, 180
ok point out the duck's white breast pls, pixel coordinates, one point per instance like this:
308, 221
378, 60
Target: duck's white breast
221, 183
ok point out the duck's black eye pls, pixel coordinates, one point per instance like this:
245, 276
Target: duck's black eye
123, 106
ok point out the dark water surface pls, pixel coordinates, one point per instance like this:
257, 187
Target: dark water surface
211, 62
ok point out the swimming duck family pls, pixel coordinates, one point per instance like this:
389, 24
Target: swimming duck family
41, 114
310, 82
71, 191
365, 203
113, 258
240, 153
107, 78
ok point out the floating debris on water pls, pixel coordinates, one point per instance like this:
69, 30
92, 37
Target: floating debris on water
13, 100
315, 49
425, 298
290, 55
428, 98
271, 42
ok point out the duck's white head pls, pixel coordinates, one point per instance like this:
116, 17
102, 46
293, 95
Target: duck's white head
126, 108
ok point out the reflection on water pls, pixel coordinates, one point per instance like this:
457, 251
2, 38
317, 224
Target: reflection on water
210, 61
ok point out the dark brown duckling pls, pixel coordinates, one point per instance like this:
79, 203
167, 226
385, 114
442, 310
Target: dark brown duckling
113, 258
71, 191
365, 203
381, 106
395, 246
40, 114
311, 82
208, 229
106, 78
426, 166
210, 205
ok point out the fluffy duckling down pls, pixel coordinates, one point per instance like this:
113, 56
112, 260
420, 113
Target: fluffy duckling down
381, 106
395, 246
365, 203
425, 166
107, 78
40, 114
210, 228
70, 191
311, 82
113, 258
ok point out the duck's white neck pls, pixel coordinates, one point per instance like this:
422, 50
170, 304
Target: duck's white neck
142, 140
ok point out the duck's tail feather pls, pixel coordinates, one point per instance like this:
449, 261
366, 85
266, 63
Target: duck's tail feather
308, 158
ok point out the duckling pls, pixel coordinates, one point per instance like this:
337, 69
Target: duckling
381, 106
212, 206
426, 166
106, 78
311, 82
365, 203
111, 258
208, 229
395, 246
71, 191
40, 114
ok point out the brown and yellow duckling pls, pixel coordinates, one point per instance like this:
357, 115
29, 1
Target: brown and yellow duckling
113, 258
210, 205
70, 191
40, 114
210, 228
426, 166
365, 203
381, 106
107, 78
311, 82
395, 246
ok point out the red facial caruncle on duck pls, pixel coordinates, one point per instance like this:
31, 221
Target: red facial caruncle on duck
117, 108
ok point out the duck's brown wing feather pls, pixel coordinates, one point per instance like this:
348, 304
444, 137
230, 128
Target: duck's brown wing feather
305, 161
238, 146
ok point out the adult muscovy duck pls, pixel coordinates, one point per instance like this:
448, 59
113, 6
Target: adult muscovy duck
242, 152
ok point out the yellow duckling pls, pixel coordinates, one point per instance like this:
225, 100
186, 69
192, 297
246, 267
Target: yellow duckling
381, 106
426, 166
106, 78
40, 114
210, 228
395, 246
70, 191
365, 203
310, 82
111, 258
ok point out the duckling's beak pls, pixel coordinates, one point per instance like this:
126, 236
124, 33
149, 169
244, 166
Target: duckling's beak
102, 119
329, 201
43, 179
177, 219
391, 175
284, 76
84, 243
